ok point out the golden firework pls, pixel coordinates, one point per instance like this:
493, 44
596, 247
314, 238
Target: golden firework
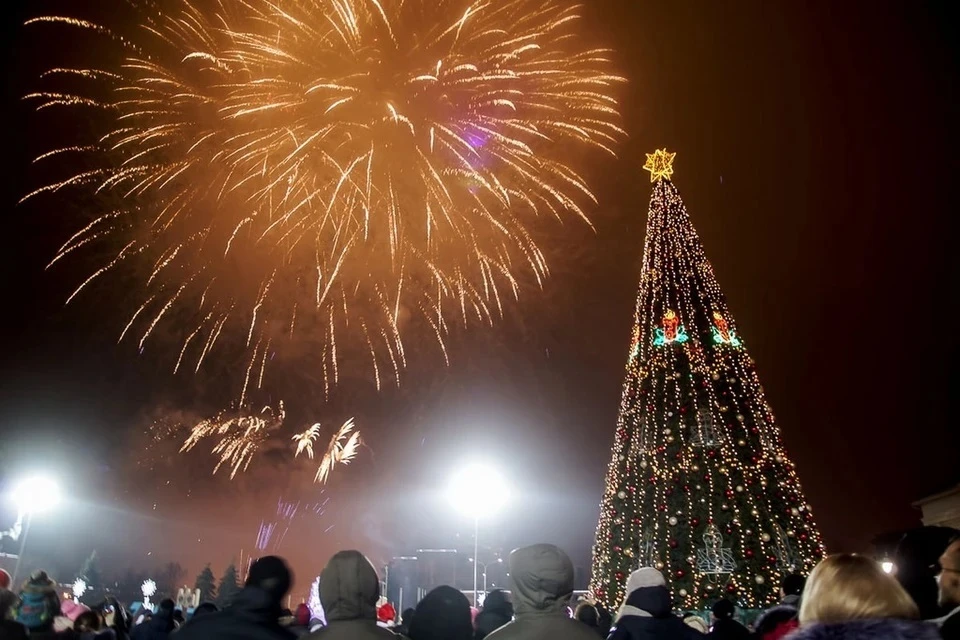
239, 436
338, 168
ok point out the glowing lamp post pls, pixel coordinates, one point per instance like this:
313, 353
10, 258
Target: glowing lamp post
465, 496
31, 496
888, 566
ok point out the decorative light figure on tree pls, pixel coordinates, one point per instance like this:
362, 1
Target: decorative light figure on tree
79, 588
698, 478
148, 589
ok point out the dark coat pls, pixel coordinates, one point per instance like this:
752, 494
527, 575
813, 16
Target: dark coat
950, 626
776, 623
888, 629
253, 615
497, 611
542, 579
349, 589
158, 627
12, 630
647, 616
728, 629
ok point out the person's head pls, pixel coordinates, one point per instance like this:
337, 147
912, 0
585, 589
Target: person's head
88, 621
166, 607
723, 609
498, 601
443, 614
848, 587
270, 574
5, 580
643, 578
349, 588
948, 579
301, 617
178, 616
542, 579
407, 616
587, 614
792, 585
204, 608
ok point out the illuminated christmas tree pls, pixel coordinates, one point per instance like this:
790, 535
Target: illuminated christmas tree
699, 485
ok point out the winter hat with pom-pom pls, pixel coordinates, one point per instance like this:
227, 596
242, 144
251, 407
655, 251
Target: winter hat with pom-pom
644, 577
5, 580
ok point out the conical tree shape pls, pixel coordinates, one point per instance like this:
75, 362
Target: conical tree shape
699, 485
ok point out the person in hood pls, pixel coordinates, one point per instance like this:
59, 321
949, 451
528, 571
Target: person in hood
725, 626
159, 626
849, 597
39, 608
254, 613
443, 614
541, 578
948, 586
779, 621
349, 591
646, 611
497, 611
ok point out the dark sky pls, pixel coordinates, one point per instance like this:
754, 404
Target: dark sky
816, 156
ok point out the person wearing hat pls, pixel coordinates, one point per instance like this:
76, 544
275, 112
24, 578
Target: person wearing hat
646, 611
39, 608
254, 613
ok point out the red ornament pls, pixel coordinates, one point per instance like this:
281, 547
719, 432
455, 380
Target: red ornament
694, 521
803, 536
771, 560
674, 544
731, 588
748, 553
680, 573
619, 576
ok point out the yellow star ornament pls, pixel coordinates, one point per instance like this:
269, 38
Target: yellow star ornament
660, 164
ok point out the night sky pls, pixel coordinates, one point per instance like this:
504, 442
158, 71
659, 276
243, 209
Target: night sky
816, 158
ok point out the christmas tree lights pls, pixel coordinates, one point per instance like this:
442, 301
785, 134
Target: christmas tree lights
699, 484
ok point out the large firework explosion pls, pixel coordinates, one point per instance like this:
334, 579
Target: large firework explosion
341, 168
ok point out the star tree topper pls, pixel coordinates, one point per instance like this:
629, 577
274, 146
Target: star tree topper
660, 164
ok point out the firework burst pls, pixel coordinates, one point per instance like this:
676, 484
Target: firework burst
238, 437
343, 447
335, 168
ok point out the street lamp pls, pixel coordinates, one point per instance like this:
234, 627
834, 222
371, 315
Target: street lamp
466, 497
31, 496
484, 565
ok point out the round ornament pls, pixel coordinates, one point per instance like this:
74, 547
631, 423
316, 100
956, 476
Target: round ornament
765, 537
621, 494
795, 511
760, 579
683, 593
673, 521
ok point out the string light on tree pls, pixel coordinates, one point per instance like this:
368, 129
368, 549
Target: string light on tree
698, 478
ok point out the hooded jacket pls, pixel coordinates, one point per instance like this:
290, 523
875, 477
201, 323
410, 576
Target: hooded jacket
253, 615
647, 615
542, 580
950, 625
497, 611
886, 629
349, 590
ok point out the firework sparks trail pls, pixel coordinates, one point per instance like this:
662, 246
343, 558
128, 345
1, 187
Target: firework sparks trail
335, 168
343, 447
239, 437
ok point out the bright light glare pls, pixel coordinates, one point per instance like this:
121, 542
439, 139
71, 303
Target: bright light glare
478, 491
887, 566
36, 494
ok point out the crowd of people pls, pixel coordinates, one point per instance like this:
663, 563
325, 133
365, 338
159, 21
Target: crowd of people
846, 597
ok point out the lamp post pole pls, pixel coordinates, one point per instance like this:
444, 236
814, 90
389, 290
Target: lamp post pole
476, 558
23, 545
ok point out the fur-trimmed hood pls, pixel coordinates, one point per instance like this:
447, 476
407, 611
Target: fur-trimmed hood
885, 629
